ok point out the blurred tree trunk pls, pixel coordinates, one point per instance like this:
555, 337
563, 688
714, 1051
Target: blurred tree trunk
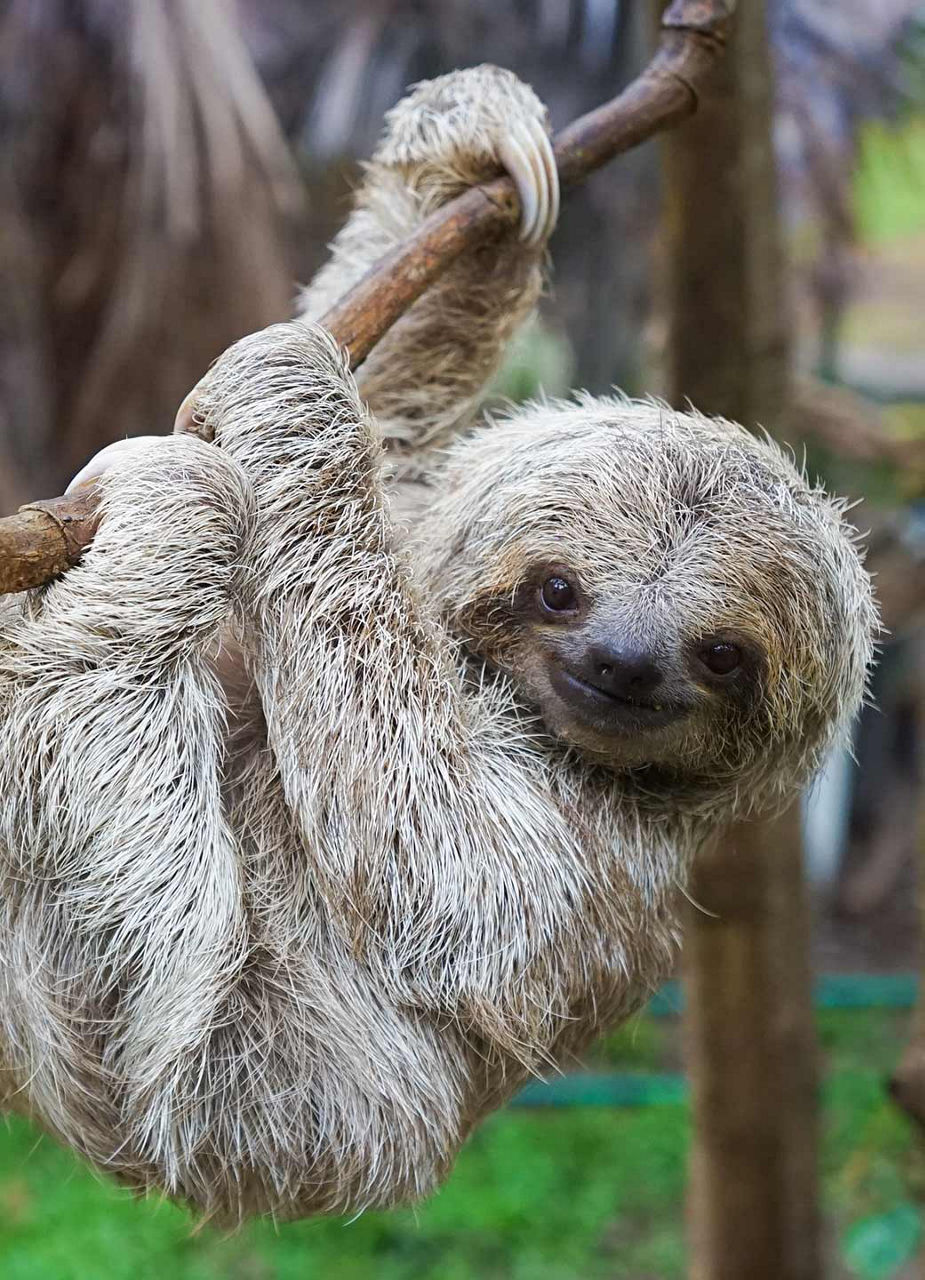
147, 205
907, 1084
752, 1208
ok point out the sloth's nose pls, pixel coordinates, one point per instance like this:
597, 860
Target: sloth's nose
624, 671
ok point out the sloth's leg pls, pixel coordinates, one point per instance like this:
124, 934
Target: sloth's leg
121, 922
420, 813
427, 375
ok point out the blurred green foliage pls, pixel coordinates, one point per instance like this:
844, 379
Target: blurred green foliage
546, 1195
889, 185
539, 362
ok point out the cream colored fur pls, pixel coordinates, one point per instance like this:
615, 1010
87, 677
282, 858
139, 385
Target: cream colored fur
274, 936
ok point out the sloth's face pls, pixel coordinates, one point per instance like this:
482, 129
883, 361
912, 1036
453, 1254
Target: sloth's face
618, 675
667, 592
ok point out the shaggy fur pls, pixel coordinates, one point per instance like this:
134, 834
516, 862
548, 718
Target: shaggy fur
275, 943
425, 378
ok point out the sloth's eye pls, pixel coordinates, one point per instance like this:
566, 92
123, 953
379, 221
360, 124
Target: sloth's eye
721, 658
558, 595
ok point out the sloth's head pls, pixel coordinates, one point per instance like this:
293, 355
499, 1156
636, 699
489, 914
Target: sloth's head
666, 591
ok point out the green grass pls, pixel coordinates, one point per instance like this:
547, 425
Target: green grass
550, 1195
566, 1194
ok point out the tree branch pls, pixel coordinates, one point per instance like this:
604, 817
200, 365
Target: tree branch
45, 539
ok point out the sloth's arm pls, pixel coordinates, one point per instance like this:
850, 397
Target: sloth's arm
172, 1002
425, 378
427, 830
121, 921
420, 815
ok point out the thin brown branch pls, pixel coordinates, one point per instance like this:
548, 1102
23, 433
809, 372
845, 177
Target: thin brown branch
45, 539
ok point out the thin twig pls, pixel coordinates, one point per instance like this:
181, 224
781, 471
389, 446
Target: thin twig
45, 539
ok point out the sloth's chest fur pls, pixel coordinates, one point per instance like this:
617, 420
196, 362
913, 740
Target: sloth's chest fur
634, 857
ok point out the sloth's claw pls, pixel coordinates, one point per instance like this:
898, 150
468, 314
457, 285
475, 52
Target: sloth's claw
114, 455
529, 191
526, 154
548, 158
541, 179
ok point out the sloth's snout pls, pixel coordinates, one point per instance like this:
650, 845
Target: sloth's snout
618, 689
623, 671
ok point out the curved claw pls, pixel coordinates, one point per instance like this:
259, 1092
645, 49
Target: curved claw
114, 455
548, 159
517, 163
527, 155
186, 422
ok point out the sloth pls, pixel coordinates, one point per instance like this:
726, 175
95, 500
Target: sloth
325, 825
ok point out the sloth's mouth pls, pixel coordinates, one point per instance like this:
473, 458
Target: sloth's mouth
610, 711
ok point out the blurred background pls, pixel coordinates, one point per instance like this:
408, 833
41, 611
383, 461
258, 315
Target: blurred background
169, 169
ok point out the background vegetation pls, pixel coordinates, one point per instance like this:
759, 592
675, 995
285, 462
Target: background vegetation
536, 1195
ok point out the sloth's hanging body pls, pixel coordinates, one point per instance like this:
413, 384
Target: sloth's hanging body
278, 951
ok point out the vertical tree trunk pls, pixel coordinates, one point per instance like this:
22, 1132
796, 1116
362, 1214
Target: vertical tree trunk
752, 1209
907, 1084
